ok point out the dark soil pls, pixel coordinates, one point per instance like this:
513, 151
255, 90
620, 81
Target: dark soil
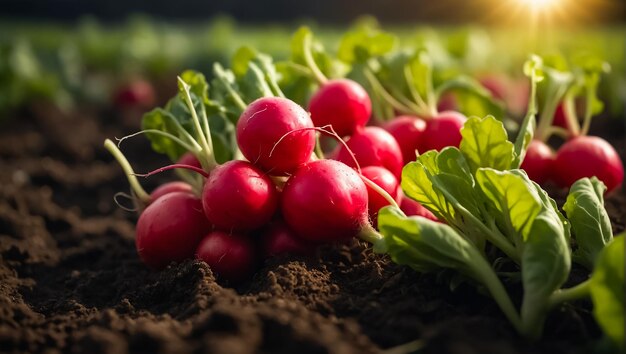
71, 281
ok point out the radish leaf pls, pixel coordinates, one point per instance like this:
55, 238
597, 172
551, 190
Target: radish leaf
591, 225
607, 290
485, 144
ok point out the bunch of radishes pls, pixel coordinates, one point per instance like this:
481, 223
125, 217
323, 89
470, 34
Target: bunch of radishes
581, 155
274, 189
280, 197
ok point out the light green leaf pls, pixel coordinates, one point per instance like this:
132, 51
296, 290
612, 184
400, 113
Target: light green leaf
590, 222
256, 74
437, 174
513, 199
546, 263
485, 144
423, 244
364, 42
162, 120
533, 70
473, 98
607, 291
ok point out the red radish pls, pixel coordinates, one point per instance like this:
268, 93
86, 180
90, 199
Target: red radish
279, 239
443, 130
168, 188
137, 93
190, 159
263, 124
587, 156
385, 180
325, 201
447, 102
372, 146
412, 208
239, 196
407, 131
497, 85
232, 256
538, 161
342, 103
170, 229
559, 117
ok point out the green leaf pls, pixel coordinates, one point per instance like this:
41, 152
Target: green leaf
364, 42
160, 119
442, 183
327, 65
607, 291
435, 178
197, 83
533, 70
407, 75
549, 204
424, 245
591, 225
256, 74
546, 263
225, 90
485, 144
514, 201
174, 121
471, 96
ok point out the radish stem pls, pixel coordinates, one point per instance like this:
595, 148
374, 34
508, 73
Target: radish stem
310, 61
574, 293
128, 170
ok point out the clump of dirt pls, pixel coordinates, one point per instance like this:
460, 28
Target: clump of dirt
70, 279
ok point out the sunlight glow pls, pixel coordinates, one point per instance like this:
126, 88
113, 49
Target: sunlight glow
540, 5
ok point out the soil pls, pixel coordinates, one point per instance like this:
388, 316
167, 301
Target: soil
71, 281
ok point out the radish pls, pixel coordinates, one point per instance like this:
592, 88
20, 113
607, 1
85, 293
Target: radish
372, 146
341, 103
190, 159
278, 238
538, 161
231, 256
587, 156
239, 196
170, 187
408, 132
170, 228
447, 102
267, 120
412, 208
387, 181
136, 93
497, 85
325, 201
443, 130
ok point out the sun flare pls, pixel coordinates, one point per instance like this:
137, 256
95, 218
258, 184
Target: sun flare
540, 5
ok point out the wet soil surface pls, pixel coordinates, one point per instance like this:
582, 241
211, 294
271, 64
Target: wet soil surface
71, 281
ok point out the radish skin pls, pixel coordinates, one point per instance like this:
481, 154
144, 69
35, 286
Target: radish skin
230, 256
538, 161
443, 130
372, 146
239, 196
342, 103
588, 156
325, 201
388, 182
408, 132
170, 229
265, 122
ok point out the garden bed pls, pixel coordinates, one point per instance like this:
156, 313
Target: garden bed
71, 281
